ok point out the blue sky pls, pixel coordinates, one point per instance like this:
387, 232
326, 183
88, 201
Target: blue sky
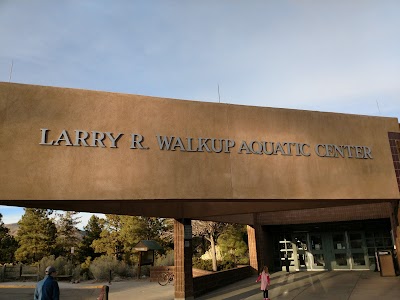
336, 56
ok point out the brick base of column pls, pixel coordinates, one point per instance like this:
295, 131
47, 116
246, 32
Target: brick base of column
251, 235
183, 260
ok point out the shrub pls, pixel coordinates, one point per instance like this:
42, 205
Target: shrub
84, 270
226, 265
243, 260
203, 264
62, 265
144, 271
165, 260
102, 265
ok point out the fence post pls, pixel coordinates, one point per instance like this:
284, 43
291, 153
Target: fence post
38, 272
3, 273
104, 293
20, 271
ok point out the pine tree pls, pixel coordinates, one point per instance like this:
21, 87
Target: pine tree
36, 235
137, 228
121, 233
110, 241
67, 233
92, 232
231, 242
8, 244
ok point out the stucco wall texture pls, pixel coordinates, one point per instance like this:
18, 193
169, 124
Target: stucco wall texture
30, 171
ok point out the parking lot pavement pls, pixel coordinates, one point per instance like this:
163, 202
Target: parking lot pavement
338, 285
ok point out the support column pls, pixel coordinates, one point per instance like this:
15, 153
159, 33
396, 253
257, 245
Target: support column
183, 259
394, 220
256, 243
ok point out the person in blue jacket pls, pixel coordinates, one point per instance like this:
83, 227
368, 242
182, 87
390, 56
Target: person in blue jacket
47, 289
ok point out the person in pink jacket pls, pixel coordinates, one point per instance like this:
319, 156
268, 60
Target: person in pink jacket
265, 282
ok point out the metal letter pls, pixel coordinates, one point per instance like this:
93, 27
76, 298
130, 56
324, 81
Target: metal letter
63, 137
164, 142
279, 148
252, 148
178, 143
213, 145
79, 139
348, 147
317, 150
44, 137
339, 149
203, 144
137, 144
243, 146
265, 148
359, 153
228, 145
330, 150
302, 149
189, 147
114, 140
289, 147
99, 140
367, 152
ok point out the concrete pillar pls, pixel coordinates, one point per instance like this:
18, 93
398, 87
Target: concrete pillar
183, 259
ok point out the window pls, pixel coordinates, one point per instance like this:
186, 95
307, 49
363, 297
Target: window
355, 240
339, 242
316, 242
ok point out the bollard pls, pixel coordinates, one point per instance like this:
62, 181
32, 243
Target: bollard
104, 293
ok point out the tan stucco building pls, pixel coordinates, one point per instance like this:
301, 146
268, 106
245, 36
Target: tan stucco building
320, 187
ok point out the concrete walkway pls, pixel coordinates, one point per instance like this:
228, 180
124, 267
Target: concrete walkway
345, 285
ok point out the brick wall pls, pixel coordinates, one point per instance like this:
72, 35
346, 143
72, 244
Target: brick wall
155, 272
329, 214
394, 140
206, 283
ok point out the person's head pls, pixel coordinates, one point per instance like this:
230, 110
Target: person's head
265, 269
51, 271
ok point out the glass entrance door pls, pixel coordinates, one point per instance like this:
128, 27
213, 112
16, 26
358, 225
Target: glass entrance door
358, 254
340, 251
301, 246
318, 251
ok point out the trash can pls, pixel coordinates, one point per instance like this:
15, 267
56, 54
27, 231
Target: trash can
386, 263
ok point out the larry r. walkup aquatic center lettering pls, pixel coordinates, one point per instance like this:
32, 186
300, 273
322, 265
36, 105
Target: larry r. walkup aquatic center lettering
200, 144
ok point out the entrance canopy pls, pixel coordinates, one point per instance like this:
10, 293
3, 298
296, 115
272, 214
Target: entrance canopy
105, 152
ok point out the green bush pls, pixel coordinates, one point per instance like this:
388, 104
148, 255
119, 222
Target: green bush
243, 260
101, 266
62, 265
225, 265
203, 264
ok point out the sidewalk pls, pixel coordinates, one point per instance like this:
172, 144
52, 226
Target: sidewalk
338, 285
130, 289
